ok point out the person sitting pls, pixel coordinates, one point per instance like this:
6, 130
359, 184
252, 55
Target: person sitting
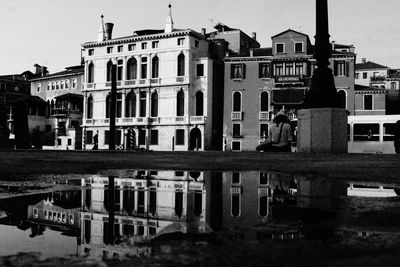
279, 135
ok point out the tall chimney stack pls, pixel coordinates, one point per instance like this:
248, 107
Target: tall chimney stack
203, 31
254, 35
363, 60
108, 28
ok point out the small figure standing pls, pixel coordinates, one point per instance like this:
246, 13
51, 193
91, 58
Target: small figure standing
96, 141
397, 137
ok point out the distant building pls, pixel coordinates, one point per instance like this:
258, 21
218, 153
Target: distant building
276, 79
60, 123
371, 73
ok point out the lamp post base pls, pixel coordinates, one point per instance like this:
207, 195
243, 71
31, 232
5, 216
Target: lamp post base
322, 130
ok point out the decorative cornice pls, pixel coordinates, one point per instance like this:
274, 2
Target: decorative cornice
49, 77
131, 39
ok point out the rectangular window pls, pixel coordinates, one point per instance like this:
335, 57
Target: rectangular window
289, 69
153, 137
278, 69
144, 46
236, 146
69, 141
106, 137
143, 66
280, 48
264, 70
196, 43
264, 131
131, 47
365, 75
142, 137
59, 142
120, 69
389, 130
357, 76
235, 177
142, 104
299, 69
368, 102
236, 130
180, 137
181, 41
393, 85
298, 47
238, 71
366, 132
120, 48
89, 137
200, 69
154, 44
109, 50
179, 173
91, 52
340, 68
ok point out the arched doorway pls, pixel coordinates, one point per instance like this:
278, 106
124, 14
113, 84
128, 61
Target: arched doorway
195, 139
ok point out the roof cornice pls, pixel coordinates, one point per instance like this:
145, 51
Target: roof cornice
130, 39
55, 76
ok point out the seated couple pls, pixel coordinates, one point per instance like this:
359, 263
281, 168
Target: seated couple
279, 136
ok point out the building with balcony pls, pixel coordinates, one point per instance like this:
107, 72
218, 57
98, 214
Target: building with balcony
169, 89
276, 79
60, 122
372, 74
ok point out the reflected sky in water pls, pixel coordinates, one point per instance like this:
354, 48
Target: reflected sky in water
125, 213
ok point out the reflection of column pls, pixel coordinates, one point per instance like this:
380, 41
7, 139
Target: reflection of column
111, 210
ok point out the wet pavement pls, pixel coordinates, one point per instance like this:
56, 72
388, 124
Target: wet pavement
187, 218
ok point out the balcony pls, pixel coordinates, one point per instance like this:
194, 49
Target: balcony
237, 116
197, 119
130, 82
60, 112
180, 79
155, 80
289, 79
90, 86
264, 115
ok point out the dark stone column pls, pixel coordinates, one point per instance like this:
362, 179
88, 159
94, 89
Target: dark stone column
322, 93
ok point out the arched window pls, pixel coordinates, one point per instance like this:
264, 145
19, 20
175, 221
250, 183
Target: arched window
131, 69
199, 103
154, 67
264, 102
130, 105
235, 205
263, 205
154, 104
109, 69
342, 99
108, 102
89, 112
90, 77
237, 101
180, 103
181, 65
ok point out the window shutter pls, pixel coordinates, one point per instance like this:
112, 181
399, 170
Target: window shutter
347, 68
232, 70
243, 71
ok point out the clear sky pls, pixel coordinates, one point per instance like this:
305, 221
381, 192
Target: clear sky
50, 32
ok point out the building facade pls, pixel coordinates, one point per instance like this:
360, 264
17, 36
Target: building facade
371, 73
169, 83
59, 124
276, 79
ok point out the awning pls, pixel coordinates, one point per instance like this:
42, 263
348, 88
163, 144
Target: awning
286, 96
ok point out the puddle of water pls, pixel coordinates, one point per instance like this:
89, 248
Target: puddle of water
187, 217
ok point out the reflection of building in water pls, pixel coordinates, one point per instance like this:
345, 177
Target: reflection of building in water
59, 210
145, 205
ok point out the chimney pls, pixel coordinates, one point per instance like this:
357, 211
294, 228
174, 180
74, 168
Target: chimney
108, 28
203, 31
333, 45
363, 60
254, 35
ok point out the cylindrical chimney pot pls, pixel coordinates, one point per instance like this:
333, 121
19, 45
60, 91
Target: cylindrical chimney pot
254, 35
108, 28
203, 31
363, 60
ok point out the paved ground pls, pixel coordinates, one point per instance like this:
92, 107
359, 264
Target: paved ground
377, 167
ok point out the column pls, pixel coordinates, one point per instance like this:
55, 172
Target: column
139, 67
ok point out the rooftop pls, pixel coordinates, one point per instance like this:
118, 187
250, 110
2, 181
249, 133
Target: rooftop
370, 65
